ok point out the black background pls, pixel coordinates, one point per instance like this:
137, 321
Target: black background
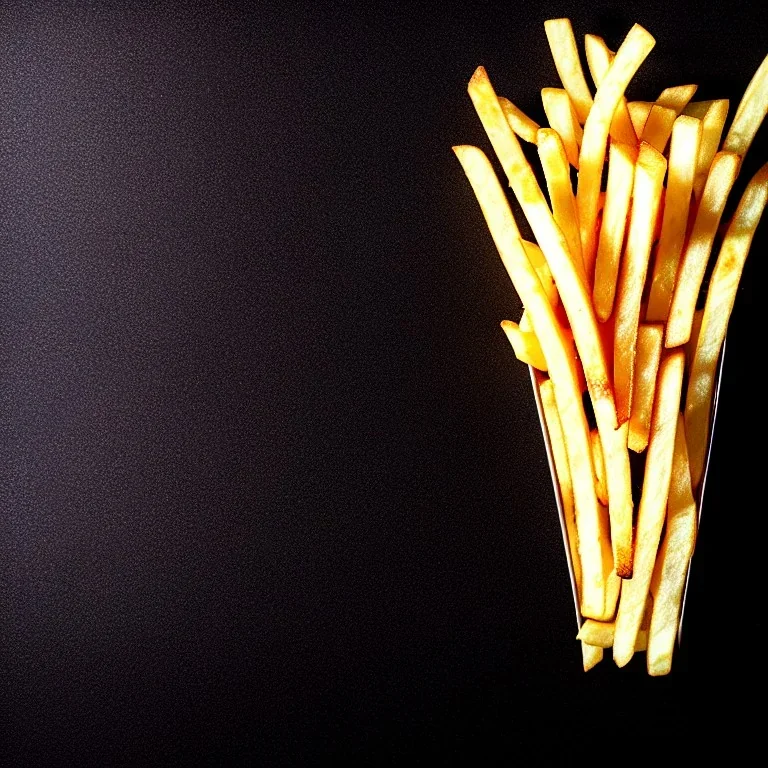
272, 484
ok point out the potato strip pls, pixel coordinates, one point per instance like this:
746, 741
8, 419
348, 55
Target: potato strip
653, 505
563, 471
599, 58
690, 274
558, 177
721, 296
750, 113
631, 54
566, 55
672, 562
559, 354
562, 118
518, 121
649, 343
621, 177
649, 177
712, 124
683, 154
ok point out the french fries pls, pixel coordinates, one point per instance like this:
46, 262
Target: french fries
627, 263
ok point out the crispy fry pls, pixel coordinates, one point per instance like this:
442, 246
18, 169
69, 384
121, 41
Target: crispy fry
671, 567
599, 58
566, 56
590, 655
574, 296
677, 97
750, 113
562, 118
526, 345
693, 264
712, 124
559, 354
597, 633
558, 177
721, 296
683, 153
649, 343
638, 114
621, 175
563, 471
658, 127
631, 54
653, 504
539, 263
518, 121
649, 177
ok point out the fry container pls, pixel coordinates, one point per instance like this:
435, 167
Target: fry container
559, 501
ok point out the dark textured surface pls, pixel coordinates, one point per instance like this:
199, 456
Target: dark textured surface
271, 483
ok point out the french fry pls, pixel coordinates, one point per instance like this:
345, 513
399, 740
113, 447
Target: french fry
653, 504
590, 655
518, 121
563, 471
631, 54
712, 124
558, 178
718, 306
621, 176
562, 118
559, 354
612, 580
599, 58
671, 567
539, 263
573, 294
693, 264
750, 113
638, 114
683, 154
658, 127
649, 343
566, 55
649, 177
526, 345
598, 462
597, 633
677, 97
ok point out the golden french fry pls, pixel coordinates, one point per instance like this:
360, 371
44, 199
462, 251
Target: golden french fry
518, 121
558, 178
612, 580
683, 154
658, 127
671, 569
621, 175
562, 118
539, 263
690, 345
597, 633
649, 343
563, 471
721, 296
649, 177
677, 97
574, 295
638, 114
590, 656
712, 124
599, 58
559, 353
599, 465
526, 345
750, 113
698, 109
631, 54
566, 56
653, 504
693, 263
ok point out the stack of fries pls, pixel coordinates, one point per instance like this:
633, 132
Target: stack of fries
610, 291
